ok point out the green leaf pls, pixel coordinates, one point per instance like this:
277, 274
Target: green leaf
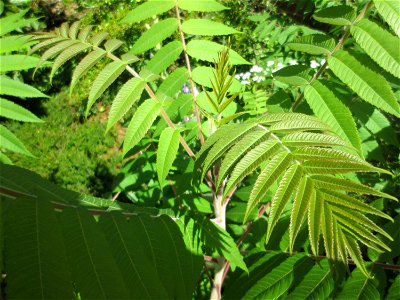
205, 234
5, 160
275, 167
147, 10
382, 46
106, 77
315, 44
46, 43
390, 11
13, 43
141, 123
67, 55
367, 83
204, 76
112, 45
287, 185
163, 58
304, 139
277, 282
299, 210
88, 62
10, 110
358, 287
172, 84
126, 243
18, 89
206, 27
238, 150
17, 62
84, 33
316, 284
333, 112
296, 75
155, 35
73, 30
55, 50
393, 292
336, 15
34, 251
208, 51
95, 272
10, 142
98, 38
128, 94
251, 161
201, 5
14, 21
314, 221
168, 146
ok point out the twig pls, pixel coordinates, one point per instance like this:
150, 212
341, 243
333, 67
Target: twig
189, 68
337, 47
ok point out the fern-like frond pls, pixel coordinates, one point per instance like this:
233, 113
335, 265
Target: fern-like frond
304, 164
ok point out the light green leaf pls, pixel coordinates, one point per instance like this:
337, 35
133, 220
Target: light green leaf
67, 55
316, 284
314, 220
336, 15
112, 45
163, 58
172, 84
208, 51
5, 160
315, 44
333, 112
299, 210
201, 5
238, 150
85, 65
56, 49
155, 35
304, 139
10, 110
367, 83
251, 161
106, 77
10, 142
13, 43
141, 123
382, 46
73, 30
16, 62
98, 38
46, 43
390, 11
206, 27
129, 93
14, 21
84, 33
166, 153
287, 185
296, 75
275, 167
18, 89
35, 253
147, 10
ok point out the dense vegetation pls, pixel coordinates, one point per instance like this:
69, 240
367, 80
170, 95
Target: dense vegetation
241, 149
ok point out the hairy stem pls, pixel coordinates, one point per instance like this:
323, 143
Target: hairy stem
189, 68
337, 47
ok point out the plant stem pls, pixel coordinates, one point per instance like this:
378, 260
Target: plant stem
337, 47
189, 68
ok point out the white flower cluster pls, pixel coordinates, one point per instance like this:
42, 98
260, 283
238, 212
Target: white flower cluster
258, 74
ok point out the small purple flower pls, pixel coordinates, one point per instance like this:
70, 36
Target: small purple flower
185, 89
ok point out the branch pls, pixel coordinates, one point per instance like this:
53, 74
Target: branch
337, 47
192, 86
